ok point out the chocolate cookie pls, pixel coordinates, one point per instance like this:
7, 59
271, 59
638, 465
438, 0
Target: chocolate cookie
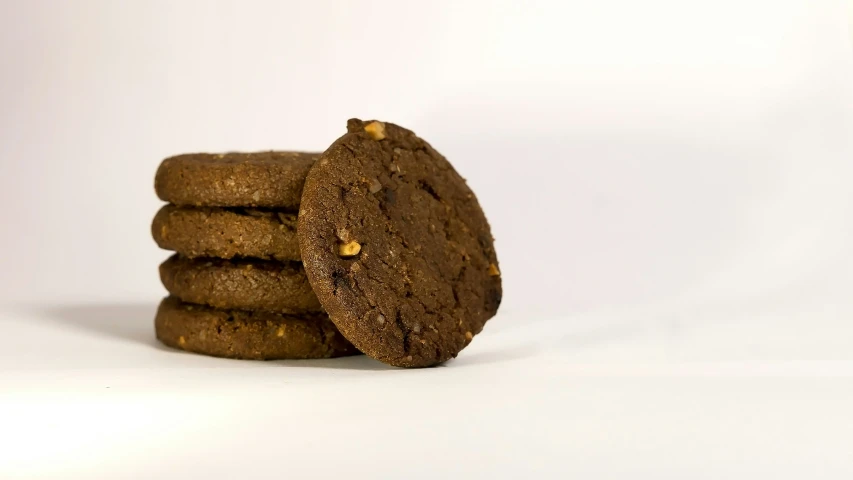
248, 335
396, 247
260, 179
226, 233
240, 284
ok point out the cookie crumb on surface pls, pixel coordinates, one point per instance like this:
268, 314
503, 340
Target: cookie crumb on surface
375, 186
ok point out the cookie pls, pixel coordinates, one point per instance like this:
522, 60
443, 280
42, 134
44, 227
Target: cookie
397, 247
226, 232
259, 179
247, 335
240, 284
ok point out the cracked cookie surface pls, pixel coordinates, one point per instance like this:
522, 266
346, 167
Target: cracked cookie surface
248, 335
397, 247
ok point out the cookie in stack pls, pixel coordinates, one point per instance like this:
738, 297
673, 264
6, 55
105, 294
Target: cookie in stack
237, 286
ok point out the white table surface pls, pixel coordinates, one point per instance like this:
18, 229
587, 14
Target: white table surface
716, 392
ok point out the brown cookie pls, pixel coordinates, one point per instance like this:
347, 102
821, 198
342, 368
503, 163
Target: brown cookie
396, 247
240, 284
259, 179
248, 335
226, 232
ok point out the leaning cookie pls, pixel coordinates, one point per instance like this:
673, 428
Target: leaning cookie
258, 179
279, 287
396, 247
226, 233
247, 335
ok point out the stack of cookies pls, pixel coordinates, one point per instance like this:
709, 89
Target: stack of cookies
376, 245
238, 288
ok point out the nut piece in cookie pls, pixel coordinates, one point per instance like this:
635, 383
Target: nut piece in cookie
376, 130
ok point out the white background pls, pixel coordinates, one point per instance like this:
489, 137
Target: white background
669, 184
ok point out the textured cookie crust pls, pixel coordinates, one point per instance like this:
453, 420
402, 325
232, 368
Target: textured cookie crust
240, 284
247, 335
226, 233
397, 247
258, 179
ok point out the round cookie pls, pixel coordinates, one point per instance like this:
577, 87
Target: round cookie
226, 233
258, 179
240, 284
397, 247
247, 335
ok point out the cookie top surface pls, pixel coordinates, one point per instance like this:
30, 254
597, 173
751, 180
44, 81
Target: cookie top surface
397, 247
257, 179
244, 284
